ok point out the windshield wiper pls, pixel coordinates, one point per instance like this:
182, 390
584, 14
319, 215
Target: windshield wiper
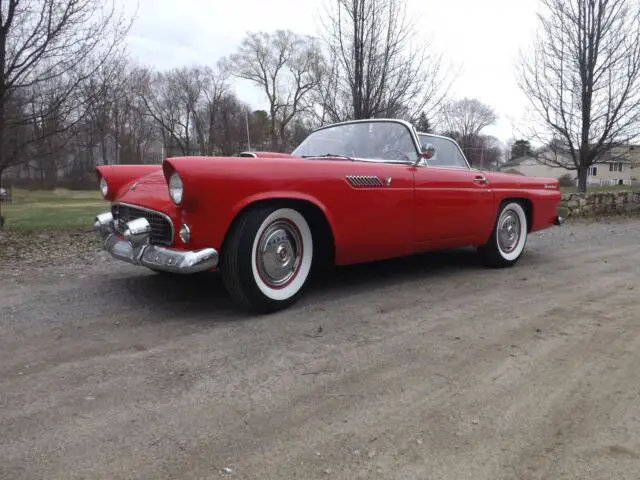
328, 155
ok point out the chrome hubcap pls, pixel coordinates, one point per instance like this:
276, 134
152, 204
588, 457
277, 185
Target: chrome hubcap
508, 231
279, 253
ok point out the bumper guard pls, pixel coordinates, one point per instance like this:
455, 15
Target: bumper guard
134, 247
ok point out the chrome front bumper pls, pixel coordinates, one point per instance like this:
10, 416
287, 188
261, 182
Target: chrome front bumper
133, 247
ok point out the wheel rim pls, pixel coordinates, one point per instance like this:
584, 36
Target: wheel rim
509, 231
279, 254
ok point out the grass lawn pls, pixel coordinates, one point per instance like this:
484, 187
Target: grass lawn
58, 209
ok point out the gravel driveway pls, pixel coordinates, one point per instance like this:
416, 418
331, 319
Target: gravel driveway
423, 368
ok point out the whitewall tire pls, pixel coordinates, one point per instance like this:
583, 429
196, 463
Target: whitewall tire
267, 258
509, 237
281, 254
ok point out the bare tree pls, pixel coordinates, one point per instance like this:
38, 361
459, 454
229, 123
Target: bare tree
133, 130
48, 50
105, 93
464, 120
185, 102
48, 121
170, 106
487, 152
378, 66
117, 118
214, 86
468, 117
582, 77
286, 66
259, 128
231, 124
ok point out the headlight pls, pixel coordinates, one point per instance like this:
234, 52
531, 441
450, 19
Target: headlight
104, 188
176, 189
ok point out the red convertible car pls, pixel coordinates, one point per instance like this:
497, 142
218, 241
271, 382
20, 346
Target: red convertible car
352, 192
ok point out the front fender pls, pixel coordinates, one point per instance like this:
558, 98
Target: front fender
285, 195
118, 176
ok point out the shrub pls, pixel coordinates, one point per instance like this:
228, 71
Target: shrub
566, 180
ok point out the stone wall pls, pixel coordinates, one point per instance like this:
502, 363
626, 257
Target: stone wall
599, 203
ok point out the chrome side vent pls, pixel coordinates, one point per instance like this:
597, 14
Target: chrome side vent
361, 181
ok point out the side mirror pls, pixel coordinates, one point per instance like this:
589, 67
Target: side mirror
428, 151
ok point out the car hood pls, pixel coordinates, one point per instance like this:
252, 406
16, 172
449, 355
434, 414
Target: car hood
150, 191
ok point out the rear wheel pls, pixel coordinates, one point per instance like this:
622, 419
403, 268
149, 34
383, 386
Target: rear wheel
267, 258
508, 238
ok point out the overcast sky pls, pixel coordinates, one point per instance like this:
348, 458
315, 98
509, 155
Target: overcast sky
481, 37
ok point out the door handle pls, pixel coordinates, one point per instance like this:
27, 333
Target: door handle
480, 180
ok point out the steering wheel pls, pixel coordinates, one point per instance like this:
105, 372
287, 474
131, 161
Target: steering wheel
386, 150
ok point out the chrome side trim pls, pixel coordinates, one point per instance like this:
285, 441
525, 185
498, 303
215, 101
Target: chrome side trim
162, 214
386, 162
361, 181
134, 248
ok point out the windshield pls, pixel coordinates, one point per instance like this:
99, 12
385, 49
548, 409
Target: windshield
390, 141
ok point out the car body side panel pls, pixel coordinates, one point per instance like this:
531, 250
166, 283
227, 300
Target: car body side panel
543, 193
544, 204
369, 222
451, 208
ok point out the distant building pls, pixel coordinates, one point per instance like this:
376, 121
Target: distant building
621, 166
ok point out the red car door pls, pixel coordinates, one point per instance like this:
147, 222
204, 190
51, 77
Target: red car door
452, 201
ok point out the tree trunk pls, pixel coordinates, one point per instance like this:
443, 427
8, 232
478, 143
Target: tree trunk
3, 160
273, 132
281, 139
1, 217
582, 178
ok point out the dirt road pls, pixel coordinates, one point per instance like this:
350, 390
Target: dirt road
427, 368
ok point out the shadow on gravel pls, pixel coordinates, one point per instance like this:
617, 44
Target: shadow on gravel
388, 272
202, 297
195, 298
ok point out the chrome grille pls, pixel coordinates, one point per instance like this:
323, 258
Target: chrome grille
161, 226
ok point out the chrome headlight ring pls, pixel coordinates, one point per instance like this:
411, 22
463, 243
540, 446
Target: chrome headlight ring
104, 187
176, 188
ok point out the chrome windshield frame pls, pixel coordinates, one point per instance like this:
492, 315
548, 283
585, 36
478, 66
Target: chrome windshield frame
412, 133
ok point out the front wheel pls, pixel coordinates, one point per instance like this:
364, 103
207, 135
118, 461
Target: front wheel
267, 258
508, 238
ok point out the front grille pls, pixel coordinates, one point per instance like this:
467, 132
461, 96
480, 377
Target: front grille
161, 226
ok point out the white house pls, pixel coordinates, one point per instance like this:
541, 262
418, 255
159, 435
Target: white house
621, 166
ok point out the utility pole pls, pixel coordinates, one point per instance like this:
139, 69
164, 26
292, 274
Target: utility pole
246, 117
